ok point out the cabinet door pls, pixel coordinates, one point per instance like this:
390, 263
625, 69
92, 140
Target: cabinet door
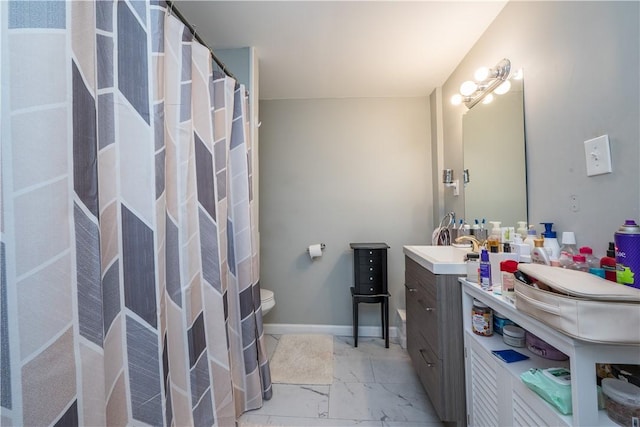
530, 410
482, 386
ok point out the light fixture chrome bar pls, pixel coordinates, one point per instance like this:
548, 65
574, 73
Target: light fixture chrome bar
497, 76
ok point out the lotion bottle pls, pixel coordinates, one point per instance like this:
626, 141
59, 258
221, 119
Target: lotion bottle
539, 254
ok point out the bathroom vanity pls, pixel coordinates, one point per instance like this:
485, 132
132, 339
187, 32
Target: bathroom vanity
434, 325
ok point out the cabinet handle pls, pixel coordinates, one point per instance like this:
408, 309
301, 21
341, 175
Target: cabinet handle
429, 364
429, 309
410, 289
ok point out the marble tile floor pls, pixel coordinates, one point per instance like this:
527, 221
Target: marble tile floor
372, 387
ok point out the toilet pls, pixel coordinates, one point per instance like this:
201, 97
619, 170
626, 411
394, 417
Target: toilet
267, 300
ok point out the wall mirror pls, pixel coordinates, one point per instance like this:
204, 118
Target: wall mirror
494, 156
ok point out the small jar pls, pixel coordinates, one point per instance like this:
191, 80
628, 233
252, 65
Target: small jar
481, 319
513, 335
499, 322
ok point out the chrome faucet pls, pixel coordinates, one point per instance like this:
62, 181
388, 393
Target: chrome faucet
476, 244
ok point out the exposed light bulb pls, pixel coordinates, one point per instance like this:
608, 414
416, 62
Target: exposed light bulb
503, 88
487, 99
467, 88
456, 99
518, 74
481, 74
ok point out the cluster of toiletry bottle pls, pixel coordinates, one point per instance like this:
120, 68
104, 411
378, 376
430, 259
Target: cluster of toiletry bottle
506, 246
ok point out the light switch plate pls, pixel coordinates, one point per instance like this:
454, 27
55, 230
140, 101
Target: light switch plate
598, 155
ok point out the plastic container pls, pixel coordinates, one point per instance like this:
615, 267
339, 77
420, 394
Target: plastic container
514, 336
622, 401
499, 322
592, 261
539, 254
542, 348
568, 249
507, 268
473, 267
579, 263
481, 319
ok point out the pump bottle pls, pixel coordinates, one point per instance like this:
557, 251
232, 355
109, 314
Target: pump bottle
493, 242
551, 240
522, 229
531, 236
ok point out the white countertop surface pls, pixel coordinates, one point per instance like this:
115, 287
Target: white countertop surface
439, 259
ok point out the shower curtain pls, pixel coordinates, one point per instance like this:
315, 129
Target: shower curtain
129, 291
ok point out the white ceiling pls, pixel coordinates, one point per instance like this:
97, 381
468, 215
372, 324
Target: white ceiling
338, 49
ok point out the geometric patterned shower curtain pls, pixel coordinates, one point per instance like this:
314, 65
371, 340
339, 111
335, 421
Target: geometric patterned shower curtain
129, 289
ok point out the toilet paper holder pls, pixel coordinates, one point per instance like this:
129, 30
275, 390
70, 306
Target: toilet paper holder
322, 246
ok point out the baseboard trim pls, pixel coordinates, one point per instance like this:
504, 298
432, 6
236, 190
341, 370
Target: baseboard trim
337, 330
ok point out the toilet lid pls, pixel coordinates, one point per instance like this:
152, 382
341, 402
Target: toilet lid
266, 295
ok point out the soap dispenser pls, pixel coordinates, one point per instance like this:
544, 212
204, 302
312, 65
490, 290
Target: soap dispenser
522, 229
551, 240
493, 242
531, 236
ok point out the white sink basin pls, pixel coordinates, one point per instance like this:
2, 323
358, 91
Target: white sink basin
439, 259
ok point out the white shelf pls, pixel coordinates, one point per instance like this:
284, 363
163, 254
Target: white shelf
583, 355
495, 342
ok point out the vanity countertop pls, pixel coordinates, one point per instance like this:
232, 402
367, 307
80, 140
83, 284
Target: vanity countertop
439, 259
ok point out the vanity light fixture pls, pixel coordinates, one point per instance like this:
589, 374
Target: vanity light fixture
487, 80
448, 181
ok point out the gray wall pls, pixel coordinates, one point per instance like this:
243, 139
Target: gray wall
581, 80
336, 171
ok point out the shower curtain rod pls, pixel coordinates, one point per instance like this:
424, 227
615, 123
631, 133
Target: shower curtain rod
172, 9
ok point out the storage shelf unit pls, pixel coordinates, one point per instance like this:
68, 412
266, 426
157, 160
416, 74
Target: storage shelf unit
515, 403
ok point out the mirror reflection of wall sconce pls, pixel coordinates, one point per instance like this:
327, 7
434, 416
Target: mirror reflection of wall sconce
448, 181
487, 81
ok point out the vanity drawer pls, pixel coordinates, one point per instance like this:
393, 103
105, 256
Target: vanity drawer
428, 367
424, 315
